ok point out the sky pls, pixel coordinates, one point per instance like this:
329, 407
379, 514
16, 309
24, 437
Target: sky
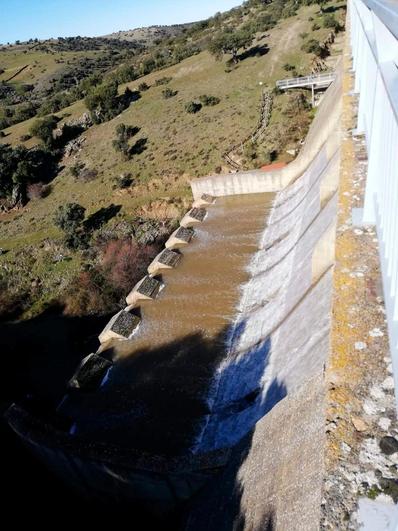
25, 19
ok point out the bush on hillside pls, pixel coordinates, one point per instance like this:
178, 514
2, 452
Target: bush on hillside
163, 81
69, 217
330, 21
43, 129
123, 134
124, 262
124, 74
169, 93
193, 107
37, 190
313, 46
288, 67
209, 101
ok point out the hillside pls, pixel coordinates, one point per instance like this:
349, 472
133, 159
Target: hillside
170, 146
147, 36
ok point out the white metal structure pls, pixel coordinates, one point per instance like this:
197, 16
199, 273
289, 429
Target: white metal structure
314, 82
374, 40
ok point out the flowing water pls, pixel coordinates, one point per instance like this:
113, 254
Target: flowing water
156, 396
201, 294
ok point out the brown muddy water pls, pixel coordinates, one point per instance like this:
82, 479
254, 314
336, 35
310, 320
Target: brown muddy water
201, 294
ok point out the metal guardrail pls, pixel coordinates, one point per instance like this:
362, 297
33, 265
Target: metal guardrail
307, 81
374, 41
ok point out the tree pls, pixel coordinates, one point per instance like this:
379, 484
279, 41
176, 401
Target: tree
20, 167
230, 43
103, 102
69, 217
123, 134
43, 129
23, 173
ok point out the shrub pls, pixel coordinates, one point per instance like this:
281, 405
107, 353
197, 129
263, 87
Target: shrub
250, 151
121, 146
43, 129
313, 46
69, 217
123, 181
101, 289
88, 295
87, 174
125, 261
20, 166
142, 87
76, 169
288, 67
209, 100
315, 26
124, 74
163, 81
37, 190
193, 107
330, 21
25, 138
123, 134
169, 93
13, 301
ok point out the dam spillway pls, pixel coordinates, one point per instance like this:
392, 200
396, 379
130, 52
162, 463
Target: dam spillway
233, 349
168, 366
202, 294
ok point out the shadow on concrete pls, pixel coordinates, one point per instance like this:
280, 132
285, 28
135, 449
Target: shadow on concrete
156, 401
218, 506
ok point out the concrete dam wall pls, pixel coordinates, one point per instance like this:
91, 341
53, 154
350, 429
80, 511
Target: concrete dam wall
246, 430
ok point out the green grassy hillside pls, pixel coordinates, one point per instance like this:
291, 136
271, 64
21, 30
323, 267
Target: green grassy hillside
176, 145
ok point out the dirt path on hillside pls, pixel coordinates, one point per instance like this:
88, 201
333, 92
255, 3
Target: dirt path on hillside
284, 44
